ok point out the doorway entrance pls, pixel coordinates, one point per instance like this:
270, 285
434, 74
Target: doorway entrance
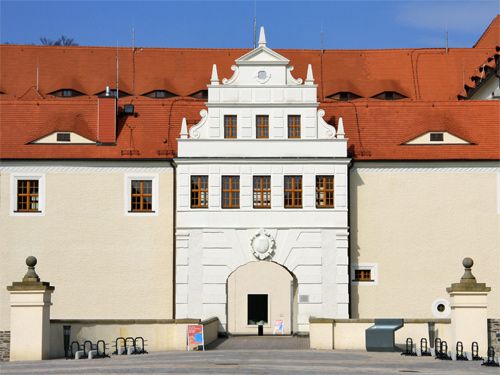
261, 293
257, 309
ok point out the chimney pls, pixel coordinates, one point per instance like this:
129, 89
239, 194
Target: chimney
106, 119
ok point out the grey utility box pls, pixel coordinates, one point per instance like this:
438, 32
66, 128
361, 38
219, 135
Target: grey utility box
380, 336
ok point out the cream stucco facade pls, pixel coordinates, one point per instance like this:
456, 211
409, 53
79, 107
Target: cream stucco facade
104, 263
414, 222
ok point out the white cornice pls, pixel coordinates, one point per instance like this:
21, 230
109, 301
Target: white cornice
280, 161
263, 105
58, 167
428, 170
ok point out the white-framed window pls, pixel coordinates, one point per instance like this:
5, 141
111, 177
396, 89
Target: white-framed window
141, 194
27, 194
364, 274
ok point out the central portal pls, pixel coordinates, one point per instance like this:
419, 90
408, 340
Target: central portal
261, 293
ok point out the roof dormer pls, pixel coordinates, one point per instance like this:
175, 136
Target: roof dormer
437, 138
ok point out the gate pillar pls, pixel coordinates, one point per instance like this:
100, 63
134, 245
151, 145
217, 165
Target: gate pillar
30, 316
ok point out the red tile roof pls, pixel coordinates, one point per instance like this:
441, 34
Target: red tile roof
411, 72
430, 78
491, 36
376, 130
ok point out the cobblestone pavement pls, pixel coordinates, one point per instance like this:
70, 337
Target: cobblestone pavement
251, 362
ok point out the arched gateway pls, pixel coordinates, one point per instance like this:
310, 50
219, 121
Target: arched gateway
261, 202
261, 293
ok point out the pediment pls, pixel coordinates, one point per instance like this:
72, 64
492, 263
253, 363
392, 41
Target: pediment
262, 55
437, 138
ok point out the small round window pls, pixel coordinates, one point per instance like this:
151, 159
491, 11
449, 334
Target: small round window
262, 75
440, 307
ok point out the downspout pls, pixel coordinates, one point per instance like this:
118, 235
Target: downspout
349, 231
174, 225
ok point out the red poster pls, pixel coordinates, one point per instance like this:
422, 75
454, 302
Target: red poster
195, 337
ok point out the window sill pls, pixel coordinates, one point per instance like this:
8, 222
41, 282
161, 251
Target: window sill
27, 212
363, 281
141, 212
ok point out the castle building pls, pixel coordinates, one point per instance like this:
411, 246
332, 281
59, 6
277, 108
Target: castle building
351, 192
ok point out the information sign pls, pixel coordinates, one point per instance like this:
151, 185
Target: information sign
195, 337
279, 327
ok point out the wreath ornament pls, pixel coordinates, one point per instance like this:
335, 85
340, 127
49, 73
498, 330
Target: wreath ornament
262, 244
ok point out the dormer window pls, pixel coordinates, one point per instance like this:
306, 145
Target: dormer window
436, 137
160, 94
344, 96
112, 93
63, 137
66, 93
202, 94
389, 95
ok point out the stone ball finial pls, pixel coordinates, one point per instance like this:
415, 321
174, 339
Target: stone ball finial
31, 261
468, 262
31, 275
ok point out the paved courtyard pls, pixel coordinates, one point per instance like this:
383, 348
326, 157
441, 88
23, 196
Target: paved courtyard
260, 357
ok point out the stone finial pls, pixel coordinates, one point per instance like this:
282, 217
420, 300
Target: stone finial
184, 128
340, 129
468, 282
31, 275
468, 277
262, 37
31, 281
214, 80
309, 77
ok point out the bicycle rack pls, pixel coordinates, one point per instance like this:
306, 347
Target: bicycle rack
85, 346
102, 353
140, 349
424, 350
437, 347
73, 352
491, 358
459, 349
131, 342
116, 344
475, 351
443, 351
409, 348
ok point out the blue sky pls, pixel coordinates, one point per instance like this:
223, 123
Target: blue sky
228, 24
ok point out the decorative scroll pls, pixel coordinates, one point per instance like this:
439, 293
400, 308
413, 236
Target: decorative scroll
289, 77
329, 130
194, 132
231, 80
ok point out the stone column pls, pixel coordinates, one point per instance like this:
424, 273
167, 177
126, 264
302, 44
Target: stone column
30, 316
469, 311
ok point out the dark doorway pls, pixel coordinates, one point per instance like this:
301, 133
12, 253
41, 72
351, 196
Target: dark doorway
257, 309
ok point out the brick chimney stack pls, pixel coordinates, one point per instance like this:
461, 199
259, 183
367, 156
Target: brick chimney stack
106, 119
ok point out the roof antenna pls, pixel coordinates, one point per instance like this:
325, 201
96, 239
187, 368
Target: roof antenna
117, 72
446, 37
254, 24
322, 37
37, 73
133, 39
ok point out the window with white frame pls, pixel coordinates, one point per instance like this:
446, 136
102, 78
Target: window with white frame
27, 194
141, 195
